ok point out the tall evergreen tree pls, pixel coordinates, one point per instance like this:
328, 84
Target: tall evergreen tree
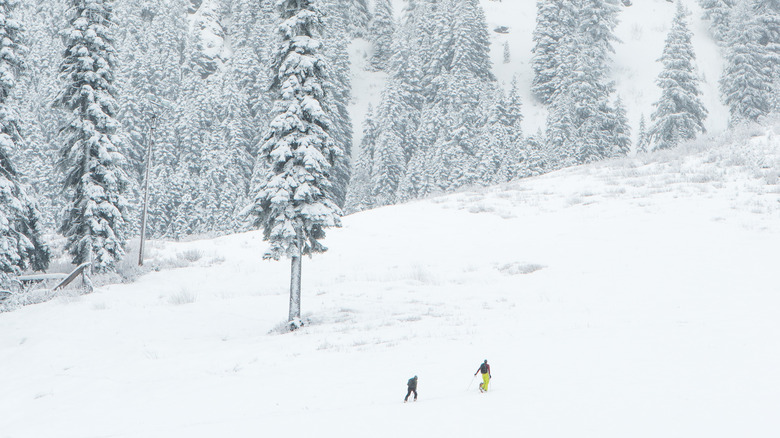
497, 158
399, 114
679, 114
226, 171
514, 160
21, 245
748, 78
253, 44
357, 18
620, 129
196, 121
597, 20
94, 219
380, 32
38, 86
768, 12
293, 191
463, 84
338, 94
359, 194
642, 141
718, 12
560, 137
555, 19
584, 94
537, 156
574, 42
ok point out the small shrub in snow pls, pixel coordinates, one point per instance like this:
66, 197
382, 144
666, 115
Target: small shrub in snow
422, 274
216, 260
480, 208
191, 255
182, 297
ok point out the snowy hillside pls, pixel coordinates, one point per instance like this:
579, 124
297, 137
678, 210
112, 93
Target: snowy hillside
642, 30
628, 298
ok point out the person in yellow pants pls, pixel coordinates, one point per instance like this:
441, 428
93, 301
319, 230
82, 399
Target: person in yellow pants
484, 368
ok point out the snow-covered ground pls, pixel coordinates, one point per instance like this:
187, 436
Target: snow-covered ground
635, 298
642, 31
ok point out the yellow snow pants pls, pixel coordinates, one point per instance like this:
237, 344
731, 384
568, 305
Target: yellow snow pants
485, 381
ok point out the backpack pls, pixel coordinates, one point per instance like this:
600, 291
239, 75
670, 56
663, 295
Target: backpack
483, 368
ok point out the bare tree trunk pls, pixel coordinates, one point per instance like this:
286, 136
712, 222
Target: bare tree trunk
295, 293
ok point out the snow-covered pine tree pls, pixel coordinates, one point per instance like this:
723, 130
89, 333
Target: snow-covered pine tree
595, 116
560, 137
597, 20
514, 113
571, 64
293, 191
515, 160
380, 32
642, 142
21, 245
718, 12
419, 180
747, 81
357, 18
537, 160
38, 86
463, 85
252, 33
454, 158
94, 219
196, 119
399, 114
620, 129
338, 94
507, 53
768, 12
679, 114
495, 148
587, 96
359, 195
387, 169
227, 169
37, 255
554, 20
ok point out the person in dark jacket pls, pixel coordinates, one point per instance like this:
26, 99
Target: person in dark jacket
411, 388
484, 368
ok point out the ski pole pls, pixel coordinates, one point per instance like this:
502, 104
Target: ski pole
472, 381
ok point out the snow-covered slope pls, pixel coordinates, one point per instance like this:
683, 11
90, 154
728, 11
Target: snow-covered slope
628, 298
642, 30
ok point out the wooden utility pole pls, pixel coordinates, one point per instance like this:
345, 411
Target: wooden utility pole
150, 146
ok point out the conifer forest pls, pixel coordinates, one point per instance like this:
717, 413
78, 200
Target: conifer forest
210, 117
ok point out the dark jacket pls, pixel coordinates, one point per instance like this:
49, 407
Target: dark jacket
412, 383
